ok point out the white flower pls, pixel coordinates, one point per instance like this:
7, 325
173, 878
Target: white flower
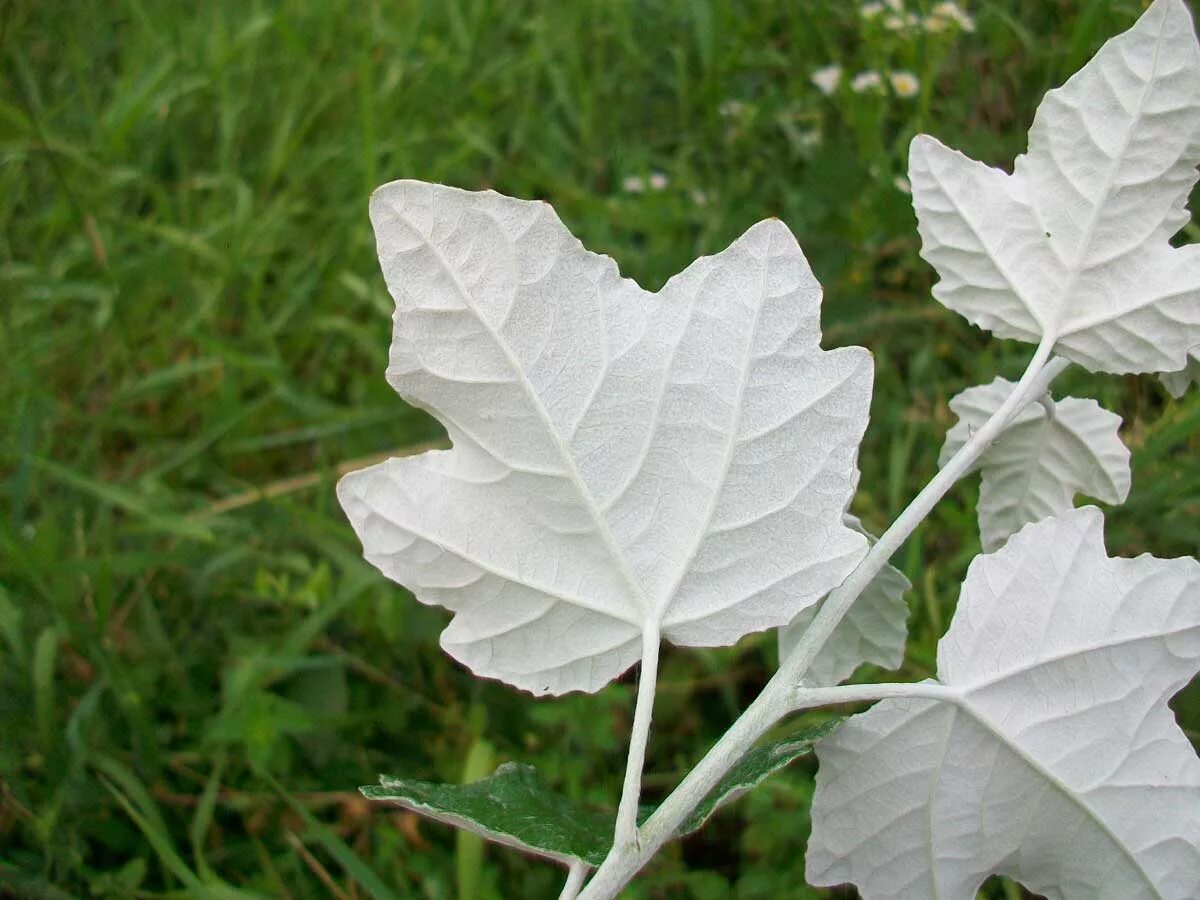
870, 10
827, 79
869, 80
894, 5
902, 184
699, 197
947, 12
658, 181
731, 108
810, 138
905, 84
900, 22
633, 184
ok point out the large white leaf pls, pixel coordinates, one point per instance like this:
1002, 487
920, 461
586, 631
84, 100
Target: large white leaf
1074, 244
874, 630
1055, 759
623, 461
1049, 453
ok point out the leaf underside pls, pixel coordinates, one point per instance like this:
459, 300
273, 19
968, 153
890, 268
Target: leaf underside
1056, 762
514, 806
874, 630
1048, 454
1074, 245
624, 463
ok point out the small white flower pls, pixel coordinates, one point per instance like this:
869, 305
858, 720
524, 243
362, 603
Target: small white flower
894, 5
633, 184
948, 11
731, 108
827, 79
810, 138
936, 24
902, 184
658, 181
699, 197
901, 22
871, 10
869, 80
905, 84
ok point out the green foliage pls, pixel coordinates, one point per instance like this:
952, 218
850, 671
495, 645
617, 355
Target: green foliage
190, 310
513, 806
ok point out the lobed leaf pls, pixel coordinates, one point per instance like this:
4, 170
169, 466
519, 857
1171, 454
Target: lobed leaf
1073, 247
1049, 453
624, 463
1055, 759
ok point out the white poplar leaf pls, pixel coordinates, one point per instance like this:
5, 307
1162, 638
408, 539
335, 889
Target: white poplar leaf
874, 631
1177, 383
1073, 246
624, 462
1054, 760
1050, 452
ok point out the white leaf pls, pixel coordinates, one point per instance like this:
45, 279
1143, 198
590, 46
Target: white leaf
1073, 245
873, 631
1055, 759
1178, 382
624, 462
1042, 460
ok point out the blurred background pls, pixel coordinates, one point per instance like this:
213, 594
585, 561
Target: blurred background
196, 668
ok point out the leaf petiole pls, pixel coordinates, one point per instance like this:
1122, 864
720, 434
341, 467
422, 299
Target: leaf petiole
626, 832
575, 874
808, 698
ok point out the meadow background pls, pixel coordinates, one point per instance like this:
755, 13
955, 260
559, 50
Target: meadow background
196, 667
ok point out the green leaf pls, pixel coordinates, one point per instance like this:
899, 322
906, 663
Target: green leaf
514, 807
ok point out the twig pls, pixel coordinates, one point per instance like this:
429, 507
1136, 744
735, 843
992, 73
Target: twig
315, 867
303, 482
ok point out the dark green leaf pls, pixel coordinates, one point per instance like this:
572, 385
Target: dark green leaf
514, 807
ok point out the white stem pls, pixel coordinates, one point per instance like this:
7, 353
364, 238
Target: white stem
807, 698
1048, 405
777, 698
575, 875
626, 834
1032, 385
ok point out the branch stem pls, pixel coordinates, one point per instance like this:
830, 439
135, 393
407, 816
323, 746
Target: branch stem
780, 696
1032, 385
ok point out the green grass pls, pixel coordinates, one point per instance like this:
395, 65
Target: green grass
190, 309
